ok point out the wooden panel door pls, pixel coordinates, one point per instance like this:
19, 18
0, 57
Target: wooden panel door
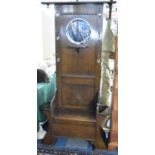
78, 64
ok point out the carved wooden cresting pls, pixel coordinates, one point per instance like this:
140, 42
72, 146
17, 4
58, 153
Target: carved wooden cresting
73, 113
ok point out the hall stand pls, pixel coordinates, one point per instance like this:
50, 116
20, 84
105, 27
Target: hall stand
114, 116
74, 111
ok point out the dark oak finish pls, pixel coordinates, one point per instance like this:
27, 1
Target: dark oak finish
73, 111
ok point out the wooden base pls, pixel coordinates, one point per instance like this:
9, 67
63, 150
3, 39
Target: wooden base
99, 143
74, 124
112, 145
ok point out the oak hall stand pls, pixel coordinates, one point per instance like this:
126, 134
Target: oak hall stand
73, 112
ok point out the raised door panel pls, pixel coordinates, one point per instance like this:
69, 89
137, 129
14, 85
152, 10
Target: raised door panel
77, 96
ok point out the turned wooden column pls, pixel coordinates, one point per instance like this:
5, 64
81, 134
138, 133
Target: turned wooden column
114, 116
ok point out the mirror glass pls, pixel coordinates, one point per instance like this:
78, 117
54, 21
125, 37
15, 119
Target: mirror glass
78, 31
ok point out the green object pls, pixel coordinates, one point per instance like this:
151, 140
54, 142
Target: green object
45, 92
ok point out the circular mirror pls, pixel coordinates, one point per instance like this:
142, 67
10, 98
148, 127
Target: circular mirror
78, 31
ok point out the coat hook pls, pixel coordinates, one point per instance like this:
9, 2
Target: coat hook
48, 5
110, 8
